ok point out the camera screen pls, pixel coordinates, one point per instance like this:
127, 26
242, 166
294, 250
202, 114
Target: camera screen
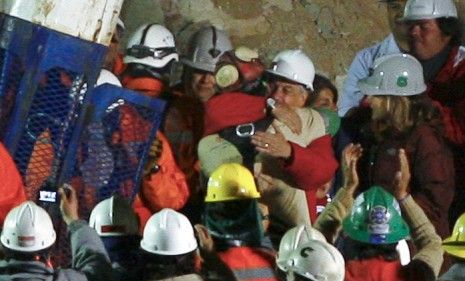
48, 196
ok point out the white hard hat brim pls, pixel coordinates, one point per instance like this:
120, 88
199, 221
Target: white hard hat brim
279, 74
199, 65
146, 247
420, 17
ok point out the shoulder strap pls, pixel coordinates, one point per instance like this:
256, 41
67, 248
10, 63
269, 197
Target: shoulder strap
239, 136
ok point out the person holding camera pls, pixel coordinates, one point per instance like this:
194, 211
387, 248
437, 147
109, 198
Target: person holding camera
28, 236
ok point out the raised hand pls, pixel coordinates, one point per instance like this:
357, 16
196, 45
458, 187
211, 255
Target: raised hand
402, 177
350, 156
68, 204
206, 243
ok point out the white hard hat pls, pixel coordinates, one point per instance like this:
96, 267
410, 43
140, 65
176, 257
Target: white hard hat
106, 76
396, 75
168, 233
317, 261
114, 216
292, 239
295, 66
429, 9
152, 45
27, 228
206, 48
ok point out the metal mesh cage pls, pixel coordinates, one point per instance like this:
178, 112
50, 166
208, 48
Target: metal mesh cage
12, 65
121, 125
48, 129
58, 128
43, 94
111, 150
43, 88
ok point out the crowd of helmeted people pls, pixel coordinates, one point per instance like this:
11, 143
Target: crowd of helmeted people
266, 172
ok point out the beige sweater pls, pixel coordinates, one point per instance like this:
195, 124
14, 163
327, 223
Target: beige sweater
425, 239
287, 204
313, 127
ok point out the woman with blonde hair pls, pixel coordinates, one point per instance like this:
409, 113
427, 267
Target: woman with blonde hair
402, 117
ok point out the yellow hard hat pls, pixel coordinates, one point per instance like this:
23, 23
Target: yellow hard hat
231, 181
455, 244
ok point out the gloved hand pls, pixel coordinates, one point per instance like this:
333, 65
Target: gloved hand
151, 166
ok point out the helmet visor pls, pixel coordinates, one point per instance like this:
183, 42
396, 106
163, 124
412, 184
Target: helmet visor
141, 51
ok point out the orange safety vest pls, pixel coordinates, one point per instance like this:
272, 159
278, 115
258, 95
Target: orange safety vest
375, 269
11, 185
250, 264
183, 127
167, 187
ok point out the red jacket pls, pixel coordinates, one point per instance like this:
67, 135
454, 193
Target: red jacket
232, 109
250, 264
311, 166
11, 186
379, 269
432, 172
375, 269
448, 89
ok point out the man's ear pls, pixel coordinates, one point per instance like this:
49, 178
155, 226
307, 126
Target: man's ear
306, 94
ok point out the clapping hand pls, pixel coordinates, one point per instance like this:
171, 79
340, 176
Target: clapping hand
350, 157
402, 178
206, 243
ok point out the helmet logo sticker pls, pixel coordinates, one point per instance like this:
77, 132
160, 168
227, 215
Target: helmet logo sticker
402, 81
305, 252
378, 220
26, 241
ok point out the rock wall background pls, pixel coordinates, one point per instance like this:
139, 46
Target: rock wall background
330, 31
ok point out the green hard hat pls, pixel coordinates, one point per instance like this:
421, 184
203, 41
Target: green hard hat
376, 218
